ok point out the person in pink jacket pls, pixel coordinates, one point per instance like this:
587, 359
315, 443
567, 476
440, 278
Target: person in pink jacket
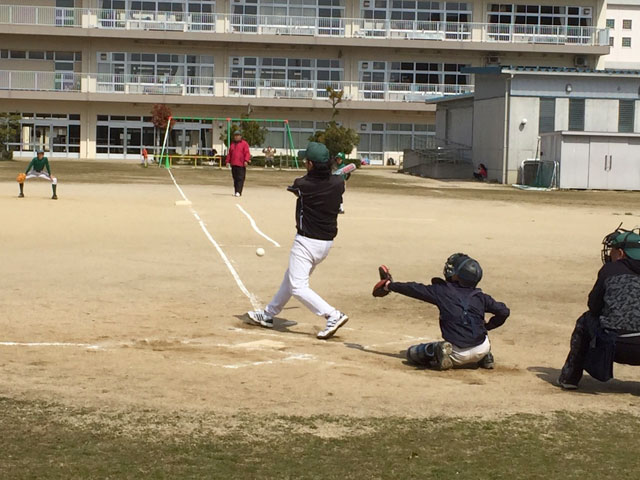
239, 157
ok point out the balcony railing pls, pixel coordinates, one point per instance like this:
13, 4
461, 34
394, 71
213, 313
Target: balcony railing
41, 81
221, 87
302, 26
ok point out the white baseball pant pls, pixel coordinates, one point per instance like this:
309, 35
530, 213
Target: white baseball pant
35, 174
306, 254
464, 356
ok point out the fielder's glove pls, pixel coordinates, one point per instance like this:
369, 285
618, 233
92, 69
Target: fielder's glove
21, 178
380, 288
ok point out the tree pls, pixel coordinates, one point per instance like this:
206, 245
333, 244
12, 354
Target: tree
9, 133
252, 132
160, 115
335, 97
337, 138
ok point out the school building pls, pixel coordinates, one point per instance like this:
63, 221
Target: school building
83, 75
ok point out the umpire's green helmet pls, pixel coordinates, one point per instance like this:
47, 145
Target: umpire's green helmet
626, 240
629, 242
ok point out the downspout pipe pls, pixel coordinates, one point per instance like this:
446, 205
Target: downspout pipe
507, 115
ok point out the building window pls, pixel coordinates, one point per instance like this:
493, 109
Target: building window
309, 77
611, 23
547, 118
576, 114
274, 15
406, 78
58, 134
611, 41
378, 138
120, 136
626, 114
626, 24
626, 41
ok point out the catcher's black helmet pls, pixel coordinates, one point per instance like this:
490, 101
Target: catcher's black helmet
468, 270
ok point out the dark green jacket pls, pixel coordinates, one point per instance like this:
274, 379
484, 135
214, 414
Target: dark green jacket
39, 164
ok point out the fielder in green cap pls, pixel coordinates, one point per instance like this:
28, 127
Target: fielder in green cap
319, 197
36, 169
610, 330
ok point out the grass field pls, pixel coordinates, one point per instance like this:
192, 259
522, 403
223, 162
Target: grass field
125, 351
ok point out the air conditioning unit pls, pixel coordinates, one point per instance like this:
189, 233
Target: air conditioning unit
492, 60
580, 61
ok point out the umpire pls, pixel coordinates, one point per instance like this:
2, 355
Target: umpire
610, 330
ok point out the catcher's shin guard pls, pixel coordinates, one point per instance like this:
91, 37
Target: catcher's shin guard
434, 355
419, 354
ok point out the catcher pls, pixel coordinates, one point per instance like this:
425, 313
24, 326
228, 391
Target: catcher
462, 309
35, 169
610, 330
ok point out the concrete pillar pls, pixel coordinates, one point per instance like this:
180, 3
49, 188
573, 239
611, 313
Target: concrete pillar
352, 13
478, 15
223, 9
221, 72
88, 121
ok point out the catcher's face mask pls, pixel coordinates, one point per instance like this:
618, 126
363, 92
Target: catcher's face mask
626, 240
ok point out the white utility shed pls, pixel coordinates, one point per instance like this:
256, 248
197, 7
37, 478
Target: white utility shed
594, 160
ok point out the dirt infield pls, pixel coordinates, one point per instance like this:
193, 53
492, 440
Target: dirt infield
116, 297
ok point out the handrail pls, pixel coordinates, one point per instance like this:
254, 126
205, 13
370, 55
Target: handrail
95, 18
221, 86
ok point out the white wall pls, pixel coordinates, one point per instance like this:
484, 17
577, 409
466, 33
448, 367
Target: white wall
523, 137
562, 114
459, 125
619, 56
488, 136
600, 115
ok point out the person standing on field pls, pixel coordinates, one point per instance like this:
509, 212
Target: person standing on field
238, 157
36, 169
319, 196
145, 157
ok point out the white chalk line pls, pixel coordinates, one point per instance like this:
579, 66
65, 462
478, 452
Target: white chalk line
255, 227
49, 344
252, 298
295, 357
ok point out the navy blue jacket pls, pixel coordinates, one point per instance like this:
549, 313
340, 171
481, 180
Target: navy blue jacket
461, 309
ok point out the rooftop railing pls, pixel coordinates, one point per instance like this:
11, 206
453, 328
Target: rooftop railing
302, 26
120, 84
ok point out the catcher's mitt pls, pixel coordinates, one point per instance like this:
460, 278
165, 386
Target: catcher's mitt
21, 178
379, 289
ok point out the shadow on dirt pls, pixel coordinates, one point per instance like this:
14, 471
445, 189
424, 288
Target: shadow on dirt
588, 385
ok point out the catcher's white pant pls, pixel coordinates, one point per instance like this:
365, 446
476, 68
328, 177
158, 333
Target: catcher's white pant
464, 356
35, 174
306, 254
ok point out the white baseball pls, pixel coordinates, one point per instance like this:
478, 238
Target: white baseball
260, 251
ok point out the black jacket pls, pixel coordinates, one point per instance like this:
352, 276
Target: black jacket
615, 297
461, 309
319, 197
